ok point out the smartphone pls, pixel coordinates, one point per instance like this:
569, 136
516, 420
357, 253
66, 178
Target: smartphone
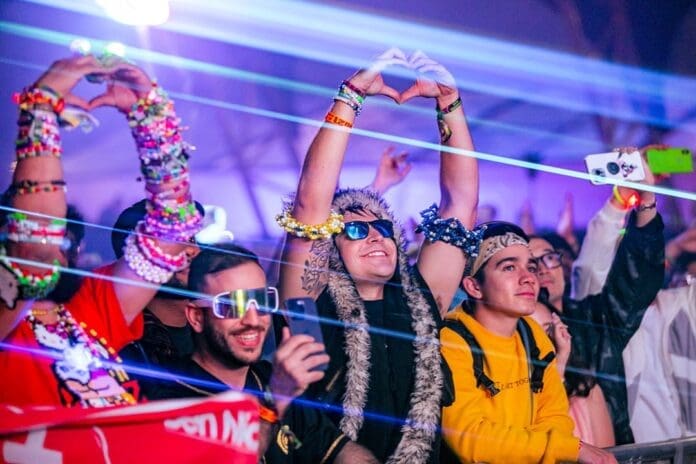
303, 318
615, 165
670, 160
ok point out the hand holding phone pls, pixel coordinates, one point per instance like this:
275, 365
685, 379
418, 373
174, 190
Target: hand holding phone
615, 165
303, 319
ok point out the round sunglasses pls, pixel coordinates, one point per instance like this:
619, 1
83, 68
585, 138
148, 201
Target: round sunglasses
358, 230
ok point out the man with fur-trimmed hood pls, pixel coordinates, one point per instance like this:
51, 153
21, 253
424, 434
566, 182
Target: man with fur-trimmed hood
384, 383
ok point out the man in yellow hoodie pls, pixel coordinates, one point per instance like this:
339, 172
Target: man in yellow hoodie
510, 404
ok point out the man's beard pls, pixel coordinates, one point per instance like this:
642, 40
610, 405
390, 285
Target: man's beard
217, 347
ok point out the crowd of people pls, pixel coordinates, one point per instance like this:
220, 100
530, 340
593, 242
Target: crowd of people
478, 342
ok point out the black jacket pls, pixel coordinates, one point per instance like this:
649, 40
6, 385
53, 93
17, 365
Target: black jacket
602, 325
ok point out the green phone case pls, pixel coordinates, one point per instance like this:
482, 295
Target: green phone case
670, 160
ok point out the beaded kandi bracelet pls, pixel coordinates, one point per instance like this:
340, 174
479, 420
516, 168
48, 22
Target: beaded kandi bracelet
333, 225
39, 135
351, 96
153, 253
32, 286
142, 266
450, 231
27, 186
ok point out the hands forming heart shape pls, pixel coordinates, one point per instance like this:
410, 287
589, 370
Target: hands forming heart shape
433, 81
125, 82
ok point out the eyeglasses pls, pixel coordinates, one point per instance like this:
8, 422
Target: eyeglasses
551, 260
236, 303
358, 230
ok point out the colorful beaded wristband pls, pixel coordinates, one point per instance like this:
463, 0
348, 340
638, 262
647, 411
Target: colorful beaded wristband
32, 286
153, 253
347, 95
155, 128
29, 99
141, 265
450, 231
38, 135
27, 186
333, 225
348, 84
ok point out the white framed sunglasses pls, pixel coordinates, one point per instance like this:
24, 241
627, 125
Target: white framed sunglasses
234, 304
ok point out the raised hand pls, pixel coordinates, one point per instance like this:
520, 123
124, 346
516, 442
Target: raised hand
562, 341
127, 83
433, 81
650, 178
391, 171
370, 80
293, 362
64, 74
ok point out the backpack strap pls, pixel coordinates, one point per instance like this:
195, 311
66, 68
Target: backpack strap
536, 365
481, 378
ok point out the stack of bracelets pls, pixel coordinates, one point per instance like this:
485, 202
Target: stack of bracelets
39, 109
445, 131
38, 136
22, 229
351, 96
171, 212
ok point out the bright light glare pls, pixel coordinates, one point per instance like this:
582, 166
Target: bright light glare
137, 12
115, 48
80, 46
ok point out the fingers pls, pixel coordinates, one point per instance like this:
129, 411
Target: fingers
387, 153
290, 344
391, 57
106, 99
74, 100
390, 92
410, 93
440, 74
285, 334
406, 169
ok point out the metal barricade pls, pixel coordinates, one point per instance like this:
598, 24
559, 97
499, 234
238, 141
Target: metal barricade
678, 451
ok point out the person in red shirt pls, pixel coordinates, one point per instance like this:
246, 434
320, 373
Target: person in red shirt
60, 334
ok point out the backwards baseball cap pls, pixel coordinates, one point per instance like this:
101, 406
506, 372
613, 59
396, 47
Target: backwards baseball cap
127, 221
497, 235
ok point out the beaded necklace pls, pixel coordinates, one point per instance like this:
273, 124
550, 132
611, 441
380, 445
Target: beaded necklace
81, 356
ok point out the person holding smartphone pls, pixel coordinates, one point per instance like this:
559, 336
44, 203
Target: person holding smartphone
229, 327
345, 249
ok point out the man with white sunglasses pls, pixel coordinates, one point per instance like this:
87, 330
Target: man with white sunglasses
229, 327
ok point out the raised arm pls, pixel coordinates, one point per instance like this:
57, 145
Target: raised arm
38, 187
302, 272
459, 185
599, 251
159, 246
391, 171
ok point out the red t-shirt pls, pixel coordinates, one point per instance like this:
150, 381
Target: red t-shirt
52, 365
